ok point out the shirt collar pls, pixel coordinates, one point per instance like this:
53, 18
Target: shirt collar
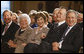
61, 23
23, 29
9, 24
72, 26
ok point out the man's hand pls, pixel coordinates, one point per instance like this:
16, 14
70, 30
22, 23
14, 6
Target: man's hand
55, 46
11, 43
24, 44
55, 49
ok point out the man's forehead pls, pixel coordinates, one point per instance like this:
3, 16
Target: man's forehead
62, 10
7, 13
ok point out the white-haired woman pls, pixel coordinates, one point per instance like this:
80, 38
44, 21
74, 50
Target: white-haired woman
22, 36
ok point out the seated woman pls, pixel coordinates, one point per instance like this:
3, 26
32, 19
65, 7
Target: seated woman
38, 34
22, 36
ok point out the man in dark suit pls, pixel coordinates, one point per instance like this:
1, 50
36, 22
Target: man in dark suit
72, 38
8, 32
59, 17
55, 30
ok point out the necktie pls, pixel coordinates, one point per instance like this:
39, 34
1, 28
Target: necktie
6, 27
64, 33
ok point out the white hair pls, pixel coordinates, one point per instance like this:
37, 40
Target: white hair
56, 9
24, 16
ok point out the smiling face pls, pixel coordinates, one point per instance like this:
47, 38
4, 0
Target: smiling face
61, 15
7, 17
40, 22
23, 23
71, 19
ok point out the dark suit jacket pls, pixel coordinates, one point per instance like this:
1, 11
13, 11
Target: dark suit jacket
73, 40
1, 27
10, 33
54, 34
81, 24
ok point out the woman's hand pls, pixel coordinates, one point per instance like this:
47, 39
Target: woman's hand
43, 35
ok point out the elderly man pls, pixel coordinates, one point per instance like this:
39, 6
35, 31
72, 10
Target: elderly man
57, 26
54, 32
55, 12
72, 38
8, 32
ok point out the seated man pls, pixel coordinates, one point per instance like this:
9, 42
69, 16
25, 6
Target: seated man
57, 29
72, 38
8, 32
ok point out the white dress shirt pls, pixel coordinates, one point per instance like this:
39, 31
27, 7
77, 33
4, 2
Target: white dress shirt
60, 23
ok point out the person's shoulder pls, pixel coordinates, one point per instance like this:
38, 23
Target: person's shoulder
16, 25
77, 27
46, 28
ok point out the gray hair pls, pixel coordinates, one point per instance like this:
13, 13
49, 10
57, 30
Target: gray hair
24, 16
32, 12
56, 9
69, 11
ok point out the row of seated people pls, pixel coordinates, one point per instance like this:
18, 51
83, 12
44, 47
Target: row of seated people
38, 33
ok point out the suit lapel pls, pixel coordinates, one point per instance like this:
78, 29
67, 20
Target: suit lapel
71, 32
9, 29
